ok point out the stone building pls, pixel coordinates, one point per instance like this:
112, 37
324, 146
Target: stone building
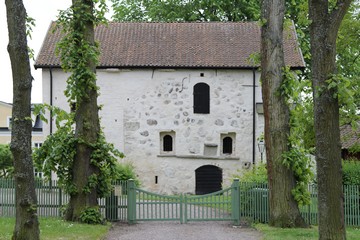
181, 100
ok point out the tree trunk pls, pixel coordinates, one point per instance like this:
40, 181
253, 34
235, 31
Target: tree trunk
88, 129
323, 34
284, 211
27, 224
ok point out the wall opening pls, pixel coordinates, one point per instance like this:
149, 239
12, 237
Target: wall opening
208, 179
201, 98
167, 142
227, 143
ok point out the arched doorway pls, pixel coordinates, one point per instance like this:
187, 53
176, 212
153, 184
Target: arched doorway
208, 179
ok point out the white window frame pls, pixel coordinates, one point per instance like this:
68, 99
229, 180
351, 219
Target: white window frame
38, 174
232, 135
37, 144
8, 122
162, 135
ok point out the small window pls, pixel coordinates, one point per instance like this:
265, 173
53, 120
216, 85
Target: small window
227, 145
167, 142
201, 98
37, 144
37, 173
9, 122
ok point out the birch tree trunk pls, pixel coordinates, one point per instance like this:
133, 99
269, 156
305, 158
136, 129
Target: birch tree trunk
284, 211
323, 33
26, 225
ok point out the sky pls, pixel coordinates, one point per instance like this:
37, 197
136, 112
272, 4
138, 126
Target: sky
43, 11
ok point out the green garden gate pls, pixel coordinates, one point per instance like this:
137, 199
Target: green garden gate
222, 205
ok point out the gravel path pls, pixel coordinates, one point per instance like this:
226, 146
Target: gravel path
177, 231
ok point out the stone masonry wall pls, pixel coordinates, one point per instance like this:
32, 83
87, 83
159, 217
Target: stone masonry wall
139, 105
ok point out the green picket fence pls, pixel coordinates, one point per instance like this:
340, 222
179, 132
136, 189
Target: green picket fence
216, 206
52, 200
241, 202
254, 205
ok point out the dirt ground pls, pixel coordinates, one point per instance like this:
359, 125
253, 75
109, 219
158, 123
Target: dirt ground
178, 231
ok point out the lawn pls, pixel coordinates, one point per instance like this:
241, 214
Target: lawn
55, 228
271, 233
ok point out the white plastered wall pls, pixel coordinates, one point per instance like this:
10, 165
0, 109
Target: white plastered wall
138, 104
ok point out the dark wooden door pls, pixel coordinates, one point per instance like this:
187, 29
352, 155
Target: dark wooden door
208, 179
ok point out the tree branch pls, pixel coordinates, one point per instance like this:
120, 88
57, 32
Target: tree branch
338, 13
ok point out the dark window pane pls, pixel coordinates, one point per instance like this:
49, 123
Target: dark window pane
227, 145
168, 143
201, 98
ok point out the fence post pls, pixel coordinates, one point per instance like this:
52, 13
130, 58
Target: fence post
60, 201
181, 208
185, 219
131, 201
235, 201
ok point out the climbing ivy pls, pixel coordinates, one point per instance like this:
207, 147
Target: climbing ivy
297, 158
345, 91
79, 55
74, 51
58, 151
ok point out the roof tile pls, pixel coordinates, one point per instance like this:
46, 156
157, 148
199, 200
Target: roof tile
175, 45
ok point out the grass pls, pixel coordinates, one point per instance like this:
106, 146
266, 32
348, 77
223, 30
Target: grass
271, 233
55, 228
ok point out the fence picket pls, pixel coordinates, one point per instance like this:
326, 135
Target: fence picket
129, 203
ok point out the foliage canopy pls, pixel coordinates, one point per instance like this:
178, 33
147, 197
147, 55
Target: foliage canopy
6, 161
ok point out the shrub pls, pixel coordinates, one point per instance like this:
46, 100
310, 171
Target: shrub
91, 215
126, 171
256, 175
253, 191
6, 161
351, 172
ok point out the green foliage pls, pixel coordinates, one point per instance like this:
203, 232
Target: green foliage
254, 59
126, 171
184, 10
348, 60
79, 55
355, 148
351, 172
256, 175
347, 93
253, 183
58, 152
30, 23
6, 161
297, 158
91, 215
298, 162
76, 51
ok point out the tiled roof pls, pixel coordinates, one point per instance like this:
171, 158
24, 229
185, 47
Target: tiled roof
176, 45
349, 136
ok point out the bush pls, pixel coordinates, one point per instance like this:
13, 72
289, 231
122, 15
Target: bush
126, 171
6, 161
91, 215
256, 175
351, 172
253, 193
